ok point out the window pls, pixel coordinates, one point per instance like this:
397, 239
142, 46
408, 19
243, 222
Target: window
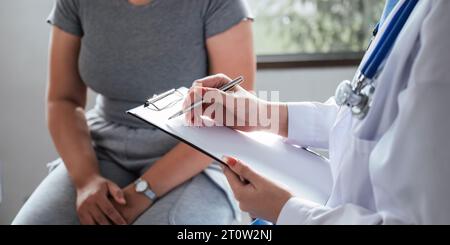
313, 30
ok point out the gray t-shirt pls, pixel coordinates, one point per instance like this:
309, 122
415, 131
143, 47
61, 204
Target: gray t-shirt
129, 53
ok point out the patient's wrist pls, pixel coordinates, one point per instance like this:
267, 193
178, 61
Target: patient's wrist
82, 179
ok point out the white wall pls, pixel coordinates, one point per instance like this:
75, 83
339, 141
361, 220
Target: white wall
312, 84
24, 142
25, 146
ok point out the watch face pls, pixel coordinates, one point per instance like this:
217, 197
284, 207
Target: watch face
141, 186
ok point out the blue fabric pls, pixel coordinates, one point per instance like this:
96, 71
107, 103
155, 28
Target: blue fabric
388, 39
261, 222
390, 4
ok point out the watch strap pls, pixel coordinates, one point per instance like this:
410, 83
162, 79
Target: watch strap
150, 194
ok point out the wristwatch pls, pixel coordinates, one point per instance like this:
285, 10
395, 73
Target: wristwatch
142, 186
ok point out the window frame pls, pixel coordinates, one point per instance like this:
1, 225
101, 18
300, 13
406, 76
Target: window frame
287, 61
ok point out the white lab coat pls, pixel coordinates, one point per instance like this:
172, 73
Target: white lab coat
394, 166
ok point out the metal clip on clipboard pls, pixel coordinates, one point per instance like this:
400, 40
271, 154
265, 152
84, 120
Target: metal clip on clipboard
165, 100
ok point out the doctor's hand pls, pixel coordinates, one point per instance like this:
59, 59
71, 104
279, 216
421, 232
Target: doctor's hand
137, 204
93, 203
237, 109
256, 194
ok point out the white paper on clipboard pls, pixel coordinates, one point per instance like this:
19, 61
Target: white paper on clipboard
304, 173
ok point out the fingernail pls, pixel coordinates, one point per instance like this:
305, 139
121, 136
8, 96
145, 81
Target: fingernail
230, 161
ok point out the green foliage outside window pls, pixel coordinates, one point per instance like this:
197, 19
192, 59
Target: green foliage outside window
314, 26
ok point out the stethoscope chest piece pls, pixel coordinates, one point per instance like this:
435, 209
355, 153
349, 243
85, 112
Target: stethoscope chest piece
354, 98
343, 93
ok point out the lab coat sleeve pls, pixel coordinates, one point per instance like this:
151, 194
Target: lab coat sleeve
298, 211
310, 123
410, 165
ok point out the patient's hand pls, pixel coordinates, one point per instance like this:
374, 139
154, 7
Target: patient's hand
93, 205
136, 204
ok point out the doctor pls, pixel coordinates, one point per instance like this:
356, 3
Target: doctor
388, 134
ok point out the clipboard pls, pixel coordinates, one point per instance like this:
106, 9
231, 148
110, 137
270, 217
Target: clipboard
301, 171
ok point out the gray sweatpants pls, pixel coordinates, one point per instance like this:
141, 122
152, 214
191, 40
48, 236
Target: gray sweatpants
124, 154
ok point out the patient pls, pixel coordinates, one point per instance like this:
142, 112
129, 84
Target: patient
126, 51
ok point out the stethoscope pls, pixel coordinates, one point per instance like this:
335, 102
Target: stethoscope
358, 94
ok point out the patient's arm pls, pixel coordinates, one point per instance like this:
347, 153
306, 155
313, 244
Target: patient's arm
231, 53
66, 101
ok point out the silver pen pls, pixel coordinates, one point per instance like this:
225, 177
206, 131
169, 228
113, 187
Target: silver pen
225, 88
